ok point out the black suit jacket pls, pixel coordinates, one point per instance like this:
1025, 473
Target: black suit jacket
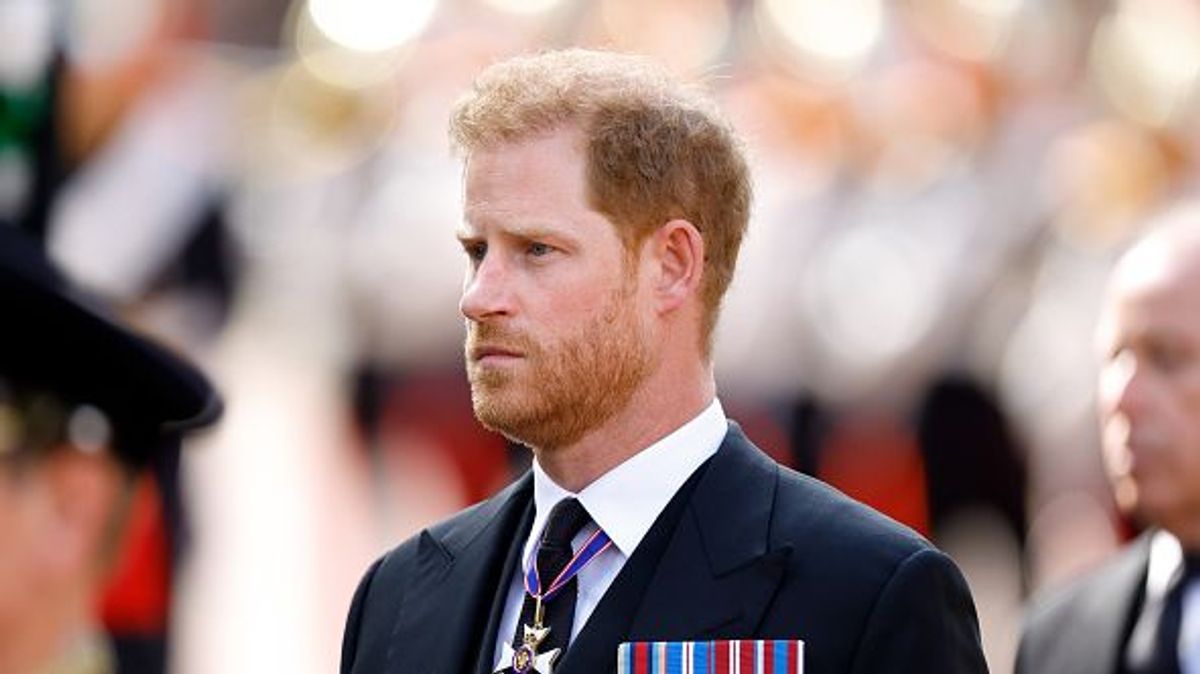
1082, 628
747, 550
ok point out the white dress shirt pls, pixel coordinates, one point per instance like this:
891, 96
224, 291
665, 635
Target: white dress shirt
624, 502
1166, 557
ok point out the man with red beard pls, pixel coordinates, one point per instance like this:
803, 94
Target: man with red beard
1140, 612
604, 206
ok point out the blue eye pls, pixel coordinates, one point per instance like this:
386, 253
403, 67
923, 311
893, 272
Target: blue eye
476, 251
539, 249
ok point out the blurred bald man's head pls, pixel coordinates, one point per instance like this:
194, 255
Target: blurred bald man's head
1149, 389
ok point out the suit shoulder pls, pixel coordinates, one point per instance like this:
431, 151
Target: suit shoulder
810, 513
849, 550
442, 537
1070, 613
898, 599
1055, 603
385, 586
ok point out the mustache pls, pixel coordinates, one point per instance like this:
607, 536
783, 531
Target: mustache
482, 336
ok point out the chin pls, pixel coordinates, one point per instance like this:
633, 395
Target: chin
502, 413
525, 423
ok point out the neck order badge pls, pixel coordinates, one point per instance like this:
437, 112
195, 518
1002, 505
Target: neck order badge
526, 658
711, 657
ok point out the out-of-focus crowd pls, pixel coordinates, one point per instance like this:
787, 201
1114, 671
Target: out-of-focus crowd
942, 186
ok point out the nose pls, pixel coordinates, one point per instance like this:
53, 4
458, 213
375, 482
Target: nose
1123, 386
485, 291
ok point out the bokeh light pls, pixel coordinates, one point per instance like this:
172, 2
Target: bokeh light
524, 6
977, 30
1100, 178
102, 33
870, 297
303, 125
919, 119
371, 25
330, 58
1146, 60
26, 30
687, 35
829, 39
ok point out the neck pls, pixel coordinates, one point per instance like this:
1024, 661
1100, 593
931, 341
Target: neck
657, 409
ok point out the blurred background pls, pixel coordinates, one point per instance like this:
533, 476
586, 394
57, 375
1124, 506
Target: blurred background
266, 185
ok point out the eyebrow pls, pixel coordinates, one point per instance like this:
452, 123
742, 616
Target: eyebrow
528, 233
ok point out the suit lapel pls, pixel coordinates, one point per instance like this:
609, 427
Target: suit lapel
449, 604
1111, 609
703, 569
717, 577
1091, 622
485, 662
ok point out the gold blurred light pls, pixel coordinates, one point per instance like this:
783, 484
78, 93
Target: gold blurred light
1042, 48
1101, 177
830, 39
686, 34
524, 6
976, 30
1145, 57
919, 119
334, 61
371, 25
800, 128
300, 125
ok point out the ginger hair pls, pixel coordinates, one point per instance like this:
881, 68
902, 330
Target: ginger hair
656, 149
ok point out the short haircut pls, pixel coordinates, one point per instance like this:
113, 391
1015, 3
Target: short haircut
656, 149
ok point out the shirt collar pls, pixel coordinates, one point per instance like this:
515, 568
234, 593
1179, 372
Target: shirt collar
626, 500
1166, 557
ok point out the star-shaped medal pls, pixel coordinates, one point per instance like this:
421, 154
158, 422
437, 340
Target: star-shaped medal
534, 635
526, 659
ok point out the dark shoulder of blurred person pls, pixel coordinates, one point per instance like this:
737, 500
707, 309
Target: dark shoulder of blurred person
87, 406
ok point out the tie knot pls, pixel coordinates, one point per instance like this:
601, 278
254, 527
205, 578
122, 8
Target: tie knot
566, 519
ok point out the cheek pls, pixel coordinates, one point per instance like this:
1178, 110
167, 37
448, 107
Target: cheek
1179, 419
1184, 475
1183, 401
566, 307
19, 546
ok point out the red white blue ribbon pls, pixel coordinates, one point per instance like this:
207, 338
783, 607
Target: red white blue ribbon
745, 656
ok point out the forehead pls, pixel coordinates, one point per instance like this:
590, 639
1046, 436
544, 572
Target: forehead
1156, 287
545, 172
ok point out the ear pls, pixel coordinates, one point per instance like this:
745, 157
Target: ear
83, 491
678, 252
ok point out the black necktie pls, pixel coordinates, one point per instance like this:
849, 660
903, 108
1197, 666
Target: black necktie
553, 554
1154, 643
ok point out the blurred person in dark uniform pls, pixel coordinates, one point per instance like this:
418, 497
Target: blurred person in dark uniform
605, 206
85, 407
1140, 612
82, 109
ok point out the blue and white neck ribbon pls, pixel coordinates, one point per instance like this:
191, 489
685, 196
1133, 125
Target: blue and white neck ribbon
597, 543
